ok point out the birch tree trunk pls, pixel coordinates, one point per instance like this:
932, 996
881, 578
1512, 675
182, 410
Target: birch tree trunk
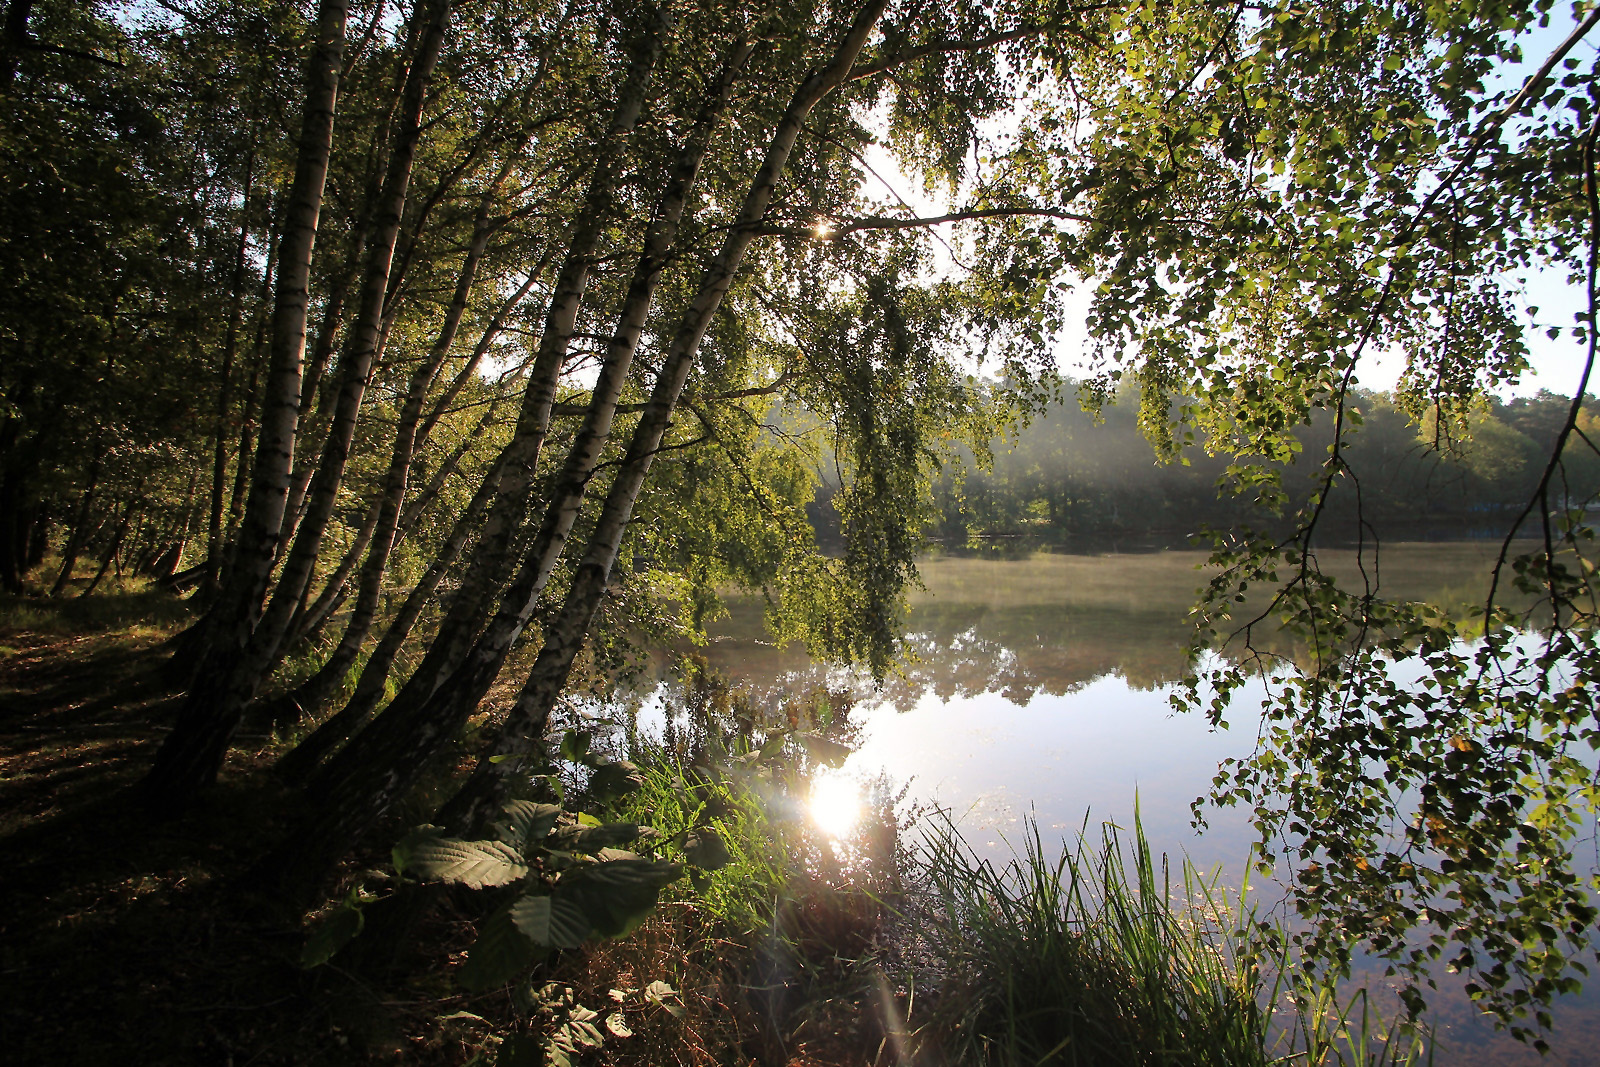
300, 869
192, 753
493, 554
219, 460
304, 758
308, 618
322, 684
564, 636
360, 353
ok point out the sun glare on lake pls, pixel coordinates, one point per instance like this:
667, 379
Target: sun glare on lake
835, 804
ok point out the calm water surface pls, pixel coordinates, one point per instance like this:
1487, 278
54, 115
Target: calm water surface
1039, 688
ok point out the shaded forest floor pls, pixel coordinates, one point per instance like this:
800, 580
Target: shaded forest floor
121, 939
128, 941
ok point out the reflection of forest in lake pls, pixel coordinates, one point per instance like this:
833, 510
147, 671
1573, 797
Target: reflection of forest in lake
1053, 623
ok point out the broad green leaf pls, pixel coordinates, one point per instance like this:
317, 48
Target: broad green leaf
575, 746
705, 849
594, 838
499, 954
617, 895
618, 1025
403, 849
332, 933
612, 780
552, 921
526, 822
471, 863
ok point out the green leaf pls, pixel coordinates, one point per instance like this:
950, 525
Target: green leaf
499, 954
526, 822
618, 1025
612, 780
594, 838
619, 894
403, 849
552, 921
706, 850
659, 992
332, 933
471, 863
575, 746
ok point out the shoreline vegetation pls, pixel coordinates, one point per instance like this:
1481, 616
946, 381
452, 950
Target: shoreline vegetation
892, 944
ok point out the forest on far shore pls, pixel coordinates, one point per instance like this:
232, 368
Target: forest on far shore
1076, 480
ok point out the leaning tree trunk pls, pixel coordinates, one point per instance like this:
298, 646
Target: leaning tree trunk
117, 537
564, 637
361, 783
356, 361
192, 753
493, 554
321, 685
300, 868
80, 530
456, 698
316, 405
305, 757
308, 619
230, 343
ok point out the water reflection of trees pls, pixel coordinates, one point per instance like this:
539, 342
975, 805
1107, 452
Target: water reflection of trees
965, 649
1048, 625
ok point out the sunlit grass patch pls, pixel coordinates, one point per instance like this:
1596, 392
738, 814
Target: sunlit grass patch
1082, 960
139, 611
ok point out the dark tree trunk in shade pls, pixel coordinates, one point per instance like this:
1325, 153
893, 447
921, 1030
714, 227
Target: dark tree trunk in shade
321, 685
305, 757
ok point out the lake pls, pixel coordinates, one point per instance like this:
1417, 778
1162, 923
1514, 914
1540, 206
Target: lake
1038, 687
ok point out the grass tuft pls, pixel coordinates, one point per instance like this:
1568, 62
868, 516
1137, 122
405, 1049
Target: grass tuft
1084, 959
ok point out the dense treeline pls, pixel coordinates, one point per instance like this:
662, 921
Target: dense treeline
1074, 477
410, 337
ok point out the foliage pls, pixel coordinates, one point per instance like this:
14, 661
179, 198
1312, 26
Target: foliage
1250, 197
1270, 195
1080, 478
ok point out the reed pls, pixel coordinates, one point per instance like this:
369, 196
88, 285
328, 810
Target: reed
1101, 957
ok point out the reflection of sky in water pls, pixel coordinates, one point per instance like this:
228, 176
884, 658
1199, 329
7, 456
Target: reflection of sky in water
1040, 688
1059, 757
